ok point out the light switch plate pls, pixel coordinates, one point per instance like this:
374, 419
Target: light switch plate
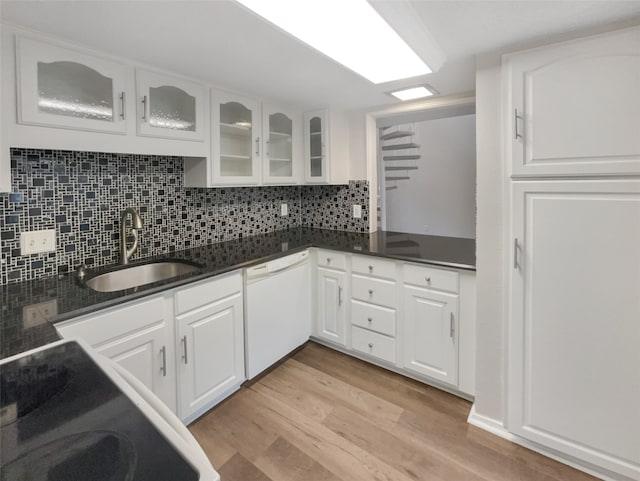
284, 210
37, 241
36, 314
357, 211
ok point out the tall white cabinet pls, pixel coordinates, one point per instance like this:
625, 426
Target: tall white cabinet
574, 327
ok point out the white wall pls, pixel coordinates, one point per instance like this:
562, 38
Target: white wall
490, 374
439, 199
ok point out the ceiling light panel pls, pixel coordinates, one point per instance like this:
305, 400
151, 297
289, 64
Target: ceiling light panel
412, 93
350, 32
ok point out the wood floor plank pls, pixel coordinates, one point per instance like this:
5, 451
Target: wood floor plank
410, 457
323, 416
288, 389
396, 389
215, 447
284, 462
332, 451
335, 392
237, 468
230, 422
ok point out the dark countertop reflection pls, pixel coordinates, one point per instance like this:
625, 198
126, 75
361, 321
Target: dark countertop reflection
29, 308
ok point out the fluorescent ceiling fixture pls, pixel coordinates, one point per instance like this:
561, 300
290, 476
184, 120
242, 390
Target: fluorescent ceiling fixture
412, 93
350, 32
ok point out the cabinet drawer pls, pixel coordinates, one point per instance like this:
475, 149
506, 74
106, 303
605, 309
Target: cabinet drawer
207, 292
431, 278
375, 318
374, 344
111, 324
375, 291
374, 266
332, 259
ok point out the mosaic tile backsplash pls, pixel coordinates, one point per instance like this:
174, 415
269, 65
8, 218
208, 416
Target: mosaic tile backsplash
81, 195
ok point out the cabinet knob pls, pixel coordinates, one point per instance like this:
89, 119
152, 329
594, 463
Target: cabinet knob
428, 279
371, 345
370, 292
328, 260
370, 268
369, 319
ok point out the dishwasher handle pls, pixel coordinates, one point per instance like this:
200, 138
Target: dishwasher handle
276, 265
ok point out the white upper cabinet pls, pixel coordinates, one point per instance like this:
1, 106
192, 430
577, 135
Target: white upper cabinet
170, 107
236, 140
574, 108
316, 137
281, 135
61, 87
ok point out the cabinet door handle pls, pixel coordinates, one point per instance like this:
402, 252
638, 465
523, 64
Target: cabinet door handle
516, 132
516, 262
123, 106
144, 109
184, 349
163, 368
339, 295
257, 145
452, 326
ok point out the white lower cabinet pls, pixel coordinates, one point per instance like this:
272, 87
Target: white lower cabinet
186, 345
139, 337
430, 328
412, 318
330, 321
210, 351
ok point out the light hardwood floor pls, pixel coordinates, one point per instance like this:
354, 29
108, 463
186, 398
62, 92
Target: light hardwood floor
324, 416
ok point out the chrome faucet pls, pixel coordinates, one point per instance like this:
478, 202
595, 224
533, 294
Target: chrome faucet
136, 223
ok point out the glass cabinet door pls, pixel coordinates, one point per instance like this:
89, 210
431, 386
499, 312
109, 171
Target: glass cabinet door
236, 141
170, 107
281, 132
60, 87
316, 157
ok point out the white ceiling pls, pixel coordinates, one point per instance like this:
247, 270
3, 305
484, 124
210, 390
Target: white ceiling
221, 42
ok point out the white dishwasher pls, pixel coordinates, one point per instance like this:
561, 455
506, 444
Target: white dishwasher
278, 310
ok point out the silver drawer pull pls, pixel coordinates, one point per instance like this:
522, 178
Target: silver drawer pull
428, 279
370, 268
184, 344
370, 292
369, 319
328, 260
371, 345
163, 368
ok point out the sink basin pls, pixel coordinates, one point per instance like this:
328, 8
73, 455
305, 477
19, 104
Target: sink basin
127, 277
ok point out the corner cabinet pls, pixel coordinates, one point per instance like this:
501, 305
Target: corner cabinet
61, 87
281, 154
331, 306
236, 140
574, 109
170, 107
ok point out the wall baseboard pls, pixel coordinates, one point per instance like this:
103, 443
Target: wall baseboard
496, 427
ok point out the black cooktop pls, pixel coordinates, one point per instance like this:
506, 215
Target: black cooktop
63, 419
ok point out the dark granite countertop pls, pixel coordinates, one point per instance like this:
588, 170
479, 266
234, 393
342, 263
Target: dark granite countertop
30, 308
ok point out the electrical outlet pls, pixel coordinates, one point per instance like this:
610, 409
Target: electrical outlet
36, 314
357, 211
284, 210
37, 241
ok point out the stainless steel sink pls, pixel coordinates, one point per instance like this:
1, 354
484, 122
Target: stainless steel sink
139, 275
